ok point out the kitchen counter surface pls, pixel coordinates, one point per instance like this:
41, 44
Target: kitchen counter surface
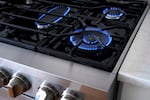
136, 67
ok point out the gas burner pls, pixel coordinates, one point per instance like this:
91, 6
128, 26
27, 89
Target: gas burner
93, 39
113, 13
60, 10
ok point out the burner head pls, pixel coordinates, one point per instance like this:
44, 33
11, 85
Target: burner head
93, 39
60, 10
113, 13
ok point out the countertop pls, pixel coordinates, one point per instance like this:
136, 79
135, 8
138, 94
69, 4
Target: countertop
136, 66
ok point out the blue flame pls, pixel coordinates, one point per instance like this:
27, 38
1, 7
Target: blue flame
119, 13
87, 45
42, 26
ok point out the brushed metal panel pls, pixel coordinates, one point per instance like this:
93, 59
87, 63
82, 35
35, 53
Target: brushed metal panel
36, 77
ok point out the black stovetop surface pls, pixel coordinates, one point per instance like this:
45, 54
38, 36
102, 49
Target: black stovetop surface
89, 32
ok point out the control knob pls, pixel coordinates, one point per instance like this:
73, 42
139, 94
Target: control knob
18, 84
46, 92
70, 94
4, 77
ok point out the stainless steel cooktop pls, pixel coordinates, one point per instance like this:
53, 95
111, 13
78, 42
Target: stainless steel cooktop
38, 67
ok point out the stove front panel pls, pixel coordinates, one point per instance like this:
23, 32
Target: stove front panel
37, 77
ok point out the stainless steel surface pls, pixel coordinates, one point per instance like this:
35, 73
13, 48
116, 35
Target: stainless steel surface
62, 68
36, 77
94, 84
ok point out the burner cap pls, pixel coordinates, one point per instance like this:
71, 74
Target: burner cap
63, 11
92, 39
113, 13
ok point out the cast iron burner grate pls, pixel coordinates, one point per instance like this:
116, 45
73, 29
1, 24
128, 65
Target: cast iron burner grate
93, 33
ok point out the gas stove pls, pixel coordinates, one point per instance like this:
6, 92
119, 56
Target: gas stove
95, 35
92, 35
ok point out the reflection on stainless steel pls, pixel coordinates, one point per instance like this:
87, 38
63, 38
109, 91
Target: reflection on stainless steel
46, 92
69, 94
29, 1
